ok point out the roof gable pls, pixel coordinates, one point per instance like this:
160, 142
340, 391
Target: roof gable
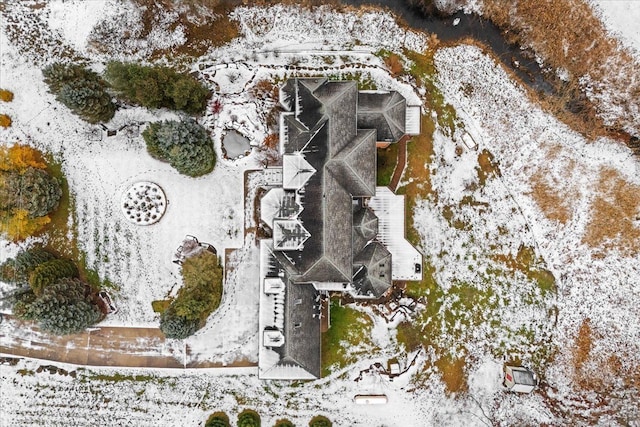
383, 111
372, 270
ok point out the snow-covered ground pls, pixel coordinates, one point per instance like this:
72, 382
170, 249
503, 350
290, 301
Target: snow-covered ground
621, 18
596, 281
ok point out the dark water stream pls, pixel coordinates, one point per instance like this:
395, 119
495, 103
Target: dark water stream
472, 26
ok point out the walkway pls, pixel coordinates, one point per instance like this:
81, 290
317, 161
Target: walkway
103, 346
401, 163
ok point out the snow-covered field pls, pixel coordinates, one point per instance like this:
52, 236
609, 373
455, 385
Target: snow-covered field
621, 18
597, 280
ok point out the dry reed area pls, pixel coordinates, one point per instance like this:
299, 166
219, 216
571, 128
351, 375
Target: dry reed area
600, 370
552, 192
615, 215
201, 31
569, 36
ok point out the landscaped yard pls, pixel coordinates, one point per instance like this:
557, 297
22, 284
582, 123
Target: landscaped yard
529, 240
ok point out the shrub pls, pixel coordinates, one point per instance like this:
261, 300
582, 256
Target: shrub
17, 225
283, 423
202, 286
64, 308
88, 99
157, 87
217, 419
320, 421
18, 270
6, 95
19, 158
34, 190
199, 296
51, 272
22, 305
159, 306
248, 418
57, 75
81, 90
184, 144
179, 327
5, 121
27, 192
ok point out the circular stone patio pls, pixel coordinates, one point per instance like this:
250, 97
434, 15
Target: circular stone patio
144, 203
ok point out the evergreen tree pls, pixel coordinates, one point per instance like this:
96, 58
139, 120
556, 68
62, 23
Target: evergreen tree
81, 90
193, 160
63, 308
217, 419
188, 95
202, 287
34, 190
174, 326
184, 144
22, 305
51, 272
248, 418
58, 74
157, 87
88, 99
18, 270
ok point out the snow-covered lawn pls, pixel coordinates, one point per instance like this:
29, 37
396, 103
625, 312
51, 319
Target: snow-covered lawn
621, 18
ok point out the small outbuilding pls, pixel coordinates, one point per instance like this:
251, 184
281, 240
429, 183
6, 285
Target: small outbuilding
519, 379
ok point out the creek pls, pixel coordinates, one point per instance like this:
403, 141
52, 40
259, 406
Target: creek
460, 26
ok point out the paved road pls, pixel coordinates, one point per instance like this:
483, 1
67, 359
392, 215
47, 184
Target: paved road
104, 346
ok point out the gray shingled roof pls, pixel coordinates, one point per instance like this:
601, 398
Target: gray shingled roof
372, 270
302, 328
355, 165
385, 112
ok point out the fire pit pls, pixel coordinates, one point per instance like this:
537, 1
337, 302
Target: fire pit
144, 203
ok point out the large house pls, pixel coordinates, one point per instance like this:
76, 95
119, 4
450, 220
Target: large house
332, 229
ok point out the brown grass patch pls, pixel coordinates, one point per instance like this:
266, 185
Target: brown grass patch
601, 370
551, 200
615, 214
6, 95
201, 34
583, 344
568, 35
487, 166
5, 121
453, 374
394, 63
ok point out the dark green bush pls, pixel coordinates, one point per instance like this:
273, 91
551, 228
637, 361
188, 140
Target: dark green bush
33, 190
179, 327
18, 270
184, 144
217, 419
87, 99
157, 87
320, 421
248, 418
81, 90
64, 308
199, 296
51, 272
